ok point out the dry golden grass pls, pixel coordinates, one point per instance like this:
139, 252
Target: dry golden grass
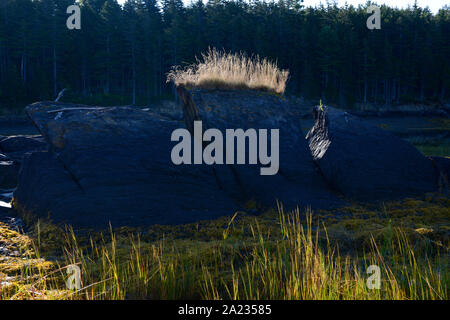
221, 70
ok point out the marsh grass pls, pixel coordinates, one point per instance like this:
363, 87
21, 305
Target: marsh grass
442, 150
221, 70
299, 261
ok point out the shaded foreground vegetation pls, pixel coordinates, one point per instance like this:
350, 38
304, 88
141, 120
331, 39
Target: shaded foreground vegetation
277, 255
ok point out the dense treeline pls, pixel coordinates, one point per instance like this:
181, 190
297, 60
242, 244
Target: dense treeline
122, 53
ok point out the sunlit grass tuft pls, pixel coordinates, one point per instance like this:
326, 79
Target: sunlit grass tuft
221, 70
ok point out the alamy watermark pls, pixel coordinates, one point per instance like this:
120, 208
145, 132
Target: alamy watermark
374, 280
235, 140
374, 21
74, 20
74, 280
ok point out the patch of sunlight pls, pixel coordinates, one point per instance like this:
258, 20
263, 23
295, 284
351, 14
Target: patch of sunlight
5, 204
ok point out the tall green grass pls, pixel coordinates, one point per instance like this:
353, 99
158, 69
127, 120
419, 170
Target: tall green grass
299, 262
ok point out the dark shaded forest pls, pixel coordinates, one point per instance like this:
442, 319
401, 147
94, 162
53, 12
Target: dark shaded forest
122, 54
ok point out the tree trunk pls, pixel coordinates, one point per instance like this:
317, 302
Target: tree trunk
83, 77
54, 72
365, 90
108, 65
422, 90
23, 67
133, 62
376, 91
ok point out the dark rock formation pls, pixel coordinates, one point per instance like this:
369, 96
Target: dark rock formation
365, 162
442, 165
15, 147
113, 165
298, 182
95, 165
22, 143
8, 174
